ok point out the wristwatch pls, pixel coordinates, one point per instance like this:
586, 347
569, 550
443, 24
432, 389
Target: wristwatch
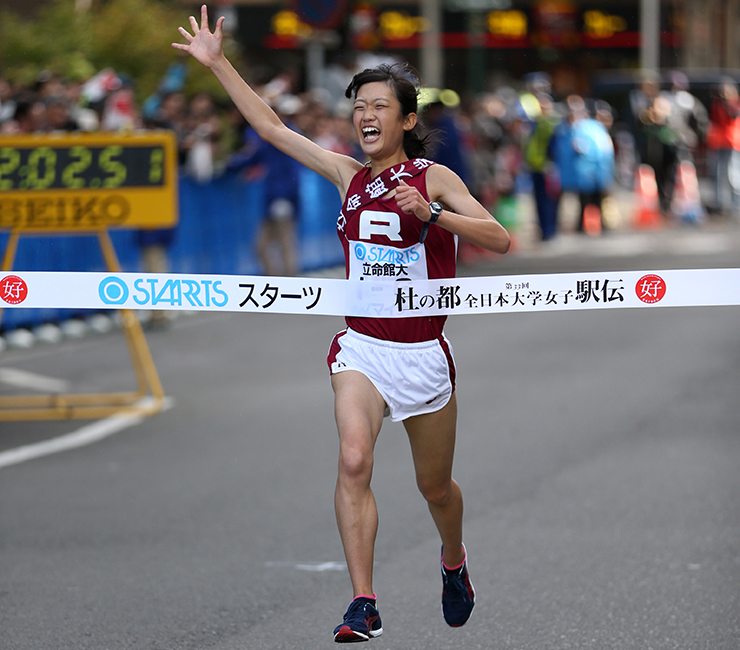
436, 209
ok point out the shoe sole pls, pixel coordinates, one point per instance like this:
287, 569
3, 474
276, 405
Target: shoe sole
347, 635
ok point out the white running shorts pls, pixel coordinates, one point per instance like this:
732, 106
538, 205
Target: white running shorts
412, 378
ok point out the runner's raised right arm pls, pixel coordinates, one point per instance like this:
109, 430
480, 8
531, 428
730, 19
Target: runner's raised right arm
206, 47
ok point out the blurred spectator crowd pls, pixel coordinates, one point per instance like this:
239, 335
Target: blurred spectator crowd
208, 133
521, 137
587, 147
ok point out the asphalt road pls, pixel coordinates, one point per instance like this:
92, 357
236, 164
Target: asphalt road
598, 453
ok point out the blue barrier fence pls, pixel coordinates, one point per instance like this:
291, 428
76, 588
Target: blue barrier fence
217, 228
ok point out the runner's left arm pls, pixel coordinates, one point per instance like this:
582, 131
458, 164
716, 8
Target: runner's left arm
463, 215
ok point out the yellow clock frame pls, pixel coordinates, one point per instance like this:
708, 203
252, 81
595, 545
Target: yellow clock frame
44, 187
37, 197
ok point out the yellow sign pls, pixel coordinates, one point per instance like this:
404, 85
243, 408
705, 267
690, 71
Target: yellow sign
600, 25
399, 25
512, 24
287, 23
88, 181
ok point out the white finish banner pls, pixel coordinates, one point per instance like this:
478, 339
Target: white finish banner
390, 298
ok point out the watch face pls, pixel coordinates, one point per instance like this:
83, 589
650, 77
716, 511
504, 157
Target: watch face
436, 207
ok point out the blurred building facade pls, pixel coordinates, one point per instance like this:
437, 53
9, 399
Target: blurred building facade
475, 42
483, 40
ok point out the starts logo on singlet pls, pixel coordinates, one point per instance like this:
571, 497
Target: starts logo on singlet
376, 262
13, 290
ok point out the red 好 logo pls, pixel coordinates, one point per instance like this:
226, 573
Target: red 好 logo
650, 288
13, 289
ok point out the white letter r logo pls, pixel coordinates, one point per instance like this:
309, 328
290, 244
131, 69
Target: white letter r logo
374, 222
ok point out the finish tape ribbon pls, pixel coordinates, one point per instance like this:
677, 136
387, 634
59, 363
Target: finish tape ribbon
376, 299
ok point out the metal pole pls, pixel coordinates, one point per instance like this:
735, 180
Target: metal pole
650, 34
476, 52
432, 55
315, 63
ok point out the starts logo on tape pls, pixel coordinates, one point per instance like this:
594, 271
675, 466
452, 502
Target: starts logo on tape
179, 292
13, 290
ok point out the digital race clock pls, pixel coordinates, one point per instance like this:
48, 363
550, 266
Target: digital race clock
88, 181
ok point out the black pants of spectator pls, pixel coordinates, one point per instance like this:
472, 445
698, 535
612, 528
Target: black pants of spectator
662, 158
590, 198
547, 206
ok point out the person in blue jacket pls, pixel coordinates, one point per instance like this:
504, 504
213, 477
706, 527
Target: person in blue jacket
583, 151
282, 192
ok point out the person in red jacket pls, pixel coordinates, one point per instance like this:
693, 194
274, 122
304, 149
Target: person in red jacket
404, 212
723, 140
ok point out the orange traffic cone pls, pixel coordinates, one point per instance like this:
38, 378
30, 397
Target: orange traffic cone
686, 202
647, 203
592, 219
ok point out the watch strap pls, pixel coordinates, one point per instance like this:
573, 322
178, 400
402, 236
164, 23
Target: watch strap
432, 219
436, 210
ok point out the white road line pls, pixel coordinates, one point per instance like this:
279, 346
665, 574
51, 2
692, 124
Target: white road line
24, 379
86, 435
323, 566
310, 566
619, 248
702, 245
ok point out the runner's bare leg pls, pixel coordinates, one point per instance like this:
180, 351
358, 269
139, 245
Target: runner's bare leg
358, 409
432, 438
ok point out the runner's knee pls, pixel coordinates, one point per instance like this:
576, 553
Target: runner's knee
436, 491
355, 463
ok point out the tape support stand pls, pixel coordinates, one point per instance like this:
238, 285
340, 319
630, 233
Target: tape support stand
380, 299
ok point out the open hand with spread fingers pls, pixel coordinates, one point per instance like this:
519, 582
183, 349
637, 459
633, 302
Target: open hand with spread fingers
205, 46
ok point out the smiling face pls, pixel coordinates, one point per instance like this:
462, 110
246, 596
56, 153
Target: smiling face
378, 120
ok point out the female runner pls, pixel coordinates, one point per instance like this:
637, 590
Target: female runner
408, 210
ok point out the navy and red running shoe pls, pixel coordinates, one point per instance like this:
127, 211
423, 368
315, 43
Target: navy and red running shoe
361, 622
458, 595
